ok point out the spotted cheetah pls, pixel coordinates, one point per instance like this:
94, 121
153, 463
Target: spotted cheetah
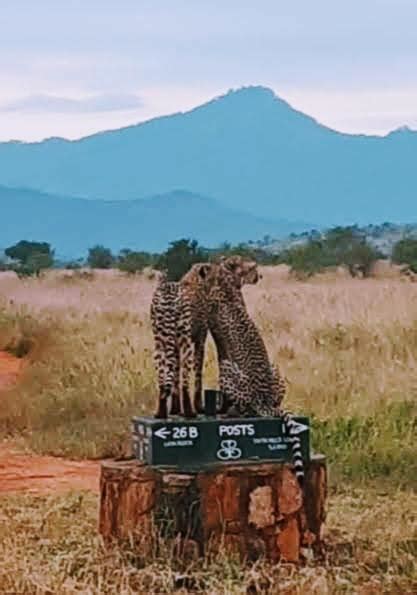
171, 326
237, 338
248, 381
243, 272
236, 385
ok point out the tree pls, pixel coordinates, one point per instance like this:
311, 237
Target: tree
134, 262
349, 247
24, 250
180, 257
100, 257
306, 259
405, 252
346, 246
30, 257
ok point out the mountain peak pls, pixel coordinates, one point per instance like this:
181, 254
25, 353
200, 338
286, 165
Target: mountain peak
402, 130
253, 91
255, 96
249, 150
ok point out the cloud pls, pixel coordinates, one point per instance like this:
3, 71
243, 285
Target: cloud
43, 103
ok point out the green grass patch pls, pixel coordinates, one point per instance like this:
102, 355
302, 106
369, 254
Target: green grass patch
382, 445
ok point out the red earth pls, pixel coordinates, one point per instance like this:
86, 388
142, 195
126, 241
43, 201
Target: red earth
10, 368
22, 472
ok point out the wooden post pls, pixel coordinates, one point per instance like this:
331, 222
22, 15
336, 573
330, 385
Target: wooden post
255, 510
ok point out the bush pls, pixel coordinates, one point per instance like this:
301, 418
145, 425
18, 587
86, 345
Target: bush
405, 252
180, 257
100, 257
348, 246
340, 246
134, 262
74, 265
307, 259
30, 257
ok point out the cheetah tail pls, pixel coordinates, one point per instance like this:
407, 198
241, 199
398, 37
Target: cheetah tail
297, 456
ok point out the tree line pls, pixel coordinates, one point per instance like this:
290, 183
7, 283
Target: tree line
316, 252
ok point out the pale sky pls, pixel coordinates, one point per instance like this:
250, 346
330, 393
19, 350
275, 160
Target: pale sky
73, 67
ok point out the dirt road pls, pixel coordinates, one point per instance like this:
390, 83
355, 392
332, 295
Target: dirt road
21, 472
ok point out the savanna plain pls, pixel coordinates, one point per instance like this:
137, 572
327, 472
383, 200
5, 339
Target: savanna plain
348, 348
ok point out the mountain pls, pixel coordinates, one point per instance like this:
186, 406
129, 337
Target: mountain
72, 225
248, 149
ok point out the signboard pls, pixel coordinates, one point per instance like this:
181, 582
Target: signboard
191, 444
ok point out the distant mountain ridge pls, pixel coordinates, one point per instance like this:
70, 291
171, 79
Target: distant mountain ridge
72, 225
249, 150
382, 237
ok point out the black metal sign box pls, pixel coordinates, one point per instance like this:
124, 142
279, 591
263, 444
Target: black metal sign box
190, 444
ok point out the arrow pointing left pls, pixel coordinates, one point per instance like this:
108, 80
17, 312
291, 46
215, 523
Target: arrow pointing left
162, 433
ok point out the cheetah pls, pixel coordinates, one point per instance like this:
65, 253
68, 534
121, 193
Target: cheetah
244, 272
171, 327
236, 337
248, 381
236, 386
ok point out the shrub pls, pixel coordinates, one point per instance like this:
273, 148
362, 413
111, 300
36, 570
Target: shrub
100, 257
180, 257
340, 246
30, 258
405, 252
134, 262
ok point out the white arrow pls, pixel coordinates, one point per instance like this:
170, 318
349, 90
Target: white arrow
162, 433
297, 428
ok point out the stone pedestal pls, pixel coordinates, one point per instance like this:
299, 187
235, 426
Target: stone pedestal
253, 509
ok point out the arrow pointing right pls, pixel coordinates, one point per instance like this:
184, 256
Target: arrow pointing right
297, 428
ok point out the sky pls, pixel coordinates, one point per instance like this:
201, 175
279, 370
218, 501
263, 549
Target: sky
73, 67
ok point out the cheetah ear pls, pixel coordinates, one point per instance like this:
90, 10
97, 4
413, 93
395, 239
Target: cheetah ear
235, 264
203, 270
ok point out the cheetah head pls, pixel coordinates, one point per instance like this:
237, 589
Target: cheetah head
245, 271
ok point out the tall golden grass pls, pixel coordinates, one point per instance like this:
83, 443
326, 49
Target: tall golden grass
349, 350
347, 347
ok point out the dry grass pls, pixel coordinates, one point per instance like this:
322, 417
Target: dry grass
50, 546
349, 349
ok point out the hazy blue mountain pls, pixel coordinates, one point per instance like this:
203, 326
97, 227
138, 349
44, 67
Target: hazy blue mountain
72, 225
248, 149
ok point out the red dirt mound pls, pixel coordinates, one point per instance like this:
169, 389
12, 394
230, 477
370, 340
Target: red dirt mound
40, 474
10, 368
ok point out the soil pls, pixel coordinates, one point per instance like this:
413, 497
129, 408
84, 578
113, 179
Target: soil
10, 368
22, 472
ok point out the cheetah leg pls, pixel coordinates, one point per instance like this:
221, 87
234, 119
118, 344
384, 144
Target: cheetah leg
167, 354
186, 365
162, 411
199, 344
160, 361
176, 403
